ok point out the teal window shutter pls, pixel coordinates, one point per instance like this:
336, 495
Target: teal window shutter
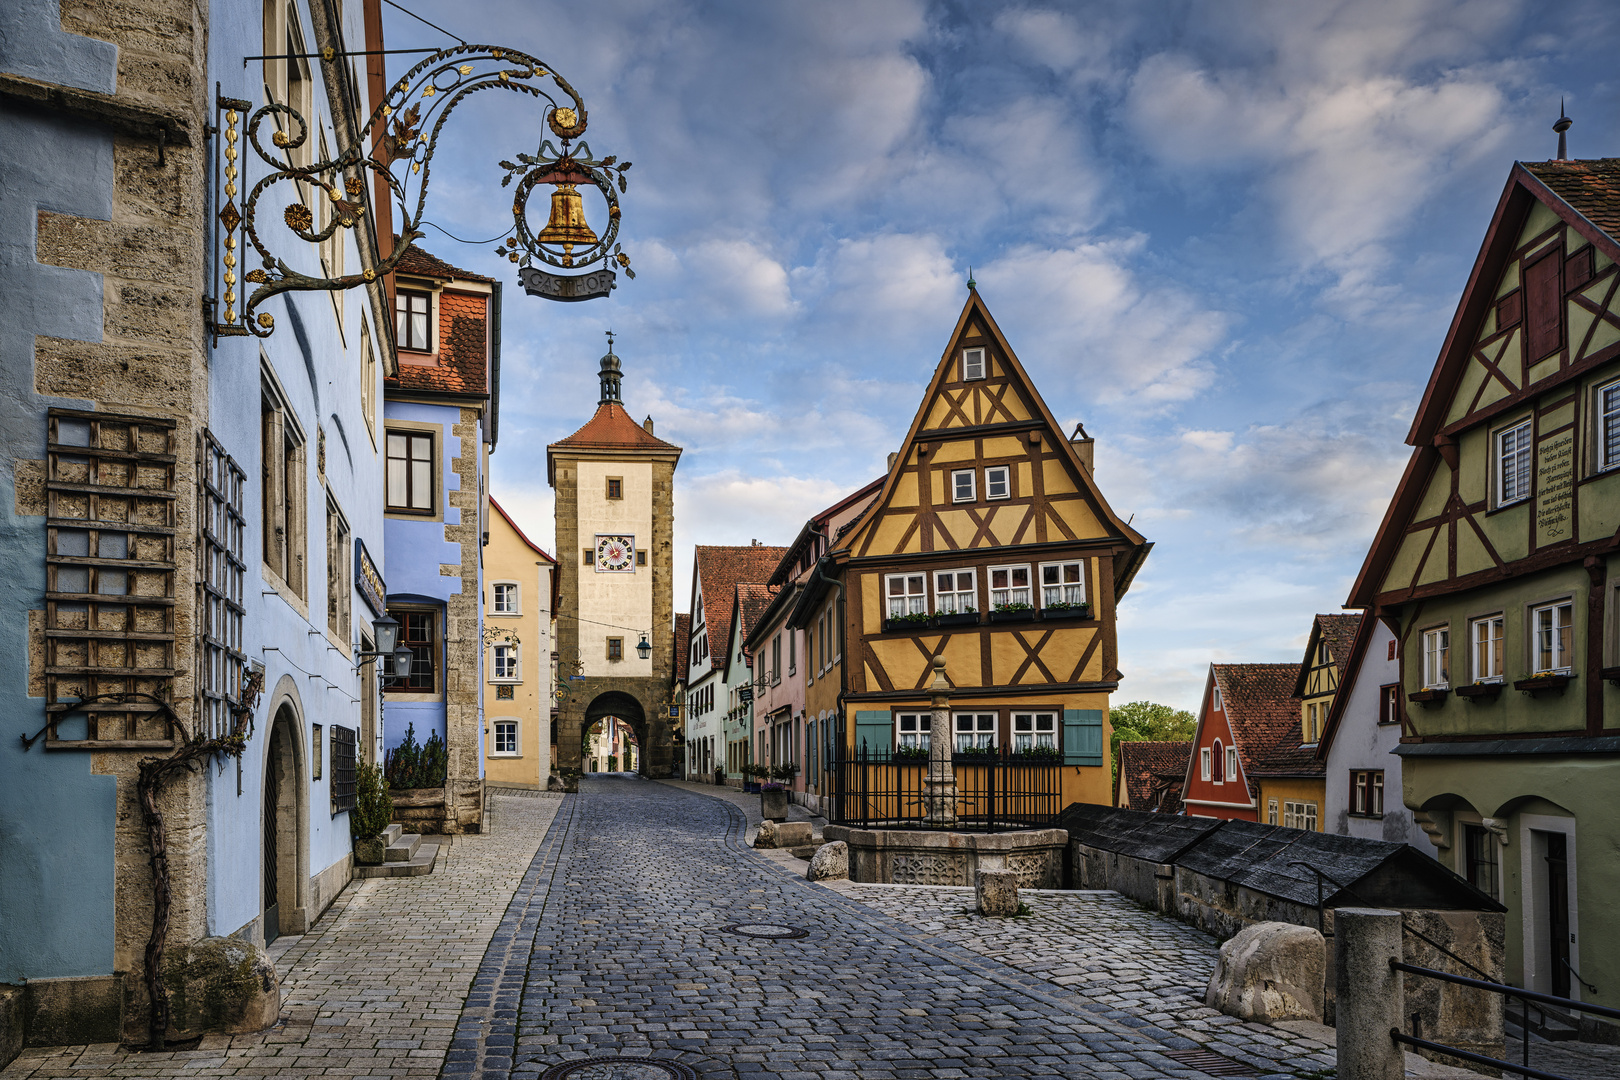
876, 730
1082, 737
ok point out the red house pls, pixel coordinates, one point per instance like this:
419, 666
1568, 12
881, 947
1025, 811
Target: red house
1248, 729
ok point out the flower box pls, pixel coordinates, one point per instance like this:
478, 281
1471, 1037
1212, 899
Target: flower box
1541, 684
1612, 674
1431, 697
1480, 691
1066, 611
909, 624
1024, 615
957, 618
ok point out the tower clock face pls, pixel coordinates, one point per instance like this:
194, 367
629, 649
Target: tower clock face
615, 554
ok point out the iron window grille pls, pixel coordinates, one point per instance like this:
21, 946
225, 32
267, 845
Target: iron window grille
110, 524
343, 764
220, 572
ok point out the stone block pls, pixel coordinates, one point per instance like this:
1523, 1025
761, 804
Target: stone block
1270, 971
790, 834
773, 804
369, 852
68, 1012
11, 1023
221, 986
766, 837
829, 863
996, 892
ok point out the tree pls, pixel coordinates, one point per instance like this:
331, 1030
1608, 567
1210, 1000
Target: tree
1142, 721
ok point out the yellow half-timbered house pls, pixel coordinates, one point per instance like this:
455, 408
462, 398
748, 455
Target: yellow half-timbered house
991, 546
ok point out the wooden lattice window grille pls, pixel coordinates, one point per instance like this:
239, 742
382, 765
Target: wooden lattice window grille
343, 759
221, 527
109, 581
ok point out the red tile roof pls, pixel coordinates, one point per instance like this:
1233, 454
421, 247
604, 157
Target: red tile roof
1339, 631
1153, 773
426, 264
683, 642
1591, 187
612, 428
461, 366
720, 570
1264, 716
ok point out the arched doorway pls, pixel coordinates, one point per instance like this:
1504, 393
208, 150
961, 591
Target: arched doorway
624, 710
610, 745
283, 859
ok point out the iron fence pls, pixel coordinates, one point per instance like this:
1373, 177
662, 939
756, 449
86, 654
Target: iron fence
994, 791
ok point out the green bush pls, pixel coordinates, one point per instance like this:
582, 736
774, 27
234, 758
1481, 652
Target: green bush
410, 765
373, 806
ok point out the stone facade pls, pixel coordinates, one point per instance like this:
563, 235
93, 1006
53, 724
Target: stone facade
904, 857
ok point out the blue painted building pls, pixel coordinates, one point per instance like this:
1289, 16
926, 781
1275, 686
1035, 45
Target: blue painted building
440, 421
180, 503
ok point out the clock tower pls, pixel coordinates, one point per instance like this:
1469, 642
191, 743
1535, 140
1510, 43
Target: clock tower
615, 547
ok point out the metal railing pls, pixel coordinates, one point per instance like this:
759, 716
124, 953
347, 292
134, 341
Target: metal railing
994, 792
1526, 997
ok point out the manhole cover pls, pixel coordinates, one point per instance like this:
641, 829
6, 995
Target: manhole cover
765, 930
1213, 1064
619, 1068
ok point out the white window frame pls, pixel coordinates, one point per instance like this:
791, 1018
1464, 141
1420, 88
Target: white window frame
1520, 434
1080, 566
495, 737
1493, 627
1231, 765
914, 603
1436, 643
1271, 811
975, 360
1298, 814
495, 654
950, 601
1011, 589
1205, 769
1608, 413
1039, 730
495, 598
977, 732
1555, 652
957, 477
990, 477
1215, 699
913, 730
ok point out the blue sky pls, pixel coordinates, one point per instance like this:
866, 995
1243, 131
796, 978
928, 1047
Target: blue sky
1228, 237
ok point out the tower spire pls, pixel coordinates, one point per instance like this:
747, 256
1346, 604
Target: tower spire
610, 375
1561, 125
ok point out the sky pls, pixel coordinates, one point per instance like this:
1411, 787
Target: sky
1228, 238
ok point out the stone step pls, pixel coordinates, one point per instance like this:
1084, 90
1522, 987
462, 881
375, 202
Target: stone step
391, 834
1553, 1025
422, 863
806, 852
402, 849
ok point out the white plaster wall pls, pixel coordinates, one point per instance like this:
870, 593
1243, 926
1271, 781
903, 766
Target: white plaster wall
1363, 743
615, 604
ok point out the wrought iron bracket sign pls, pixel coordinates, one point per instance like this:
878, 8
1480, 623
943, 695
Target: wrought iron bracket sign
397, 145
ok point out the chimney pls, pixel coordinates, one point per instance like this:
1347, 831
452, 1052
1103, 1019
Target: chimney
1084, 448
892, 458
754, 544
1561, 125
646, 425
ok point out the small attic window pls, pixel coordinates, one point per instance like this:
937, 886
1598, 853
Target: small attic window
1215, 700
972, 364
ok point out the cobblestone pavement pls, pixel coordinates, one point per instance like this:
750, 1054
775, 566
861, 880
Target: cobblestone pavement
748, 803
374, 989
615, 945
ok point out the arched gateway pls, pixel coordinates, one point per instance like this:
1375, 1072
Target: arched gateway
615, 547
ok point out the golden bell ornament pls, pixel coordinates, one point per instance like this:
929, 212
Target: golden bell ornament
567, 225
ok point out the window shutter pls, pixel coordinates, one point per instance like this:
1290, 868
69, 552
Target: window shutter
1544, 301
876, 730
1082, 737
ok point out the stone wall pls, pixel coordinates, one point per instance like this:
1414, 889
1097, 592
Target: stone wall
905, 857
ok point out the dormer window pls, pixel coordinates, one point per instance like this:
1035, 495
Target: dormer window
414, 329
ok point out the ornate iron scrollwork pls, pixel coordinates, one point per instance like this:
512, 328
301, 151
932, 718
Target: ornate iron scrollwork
397, 144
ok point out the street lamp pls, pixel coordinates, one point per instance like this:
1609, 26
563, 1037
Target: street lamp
385, 634
643, 649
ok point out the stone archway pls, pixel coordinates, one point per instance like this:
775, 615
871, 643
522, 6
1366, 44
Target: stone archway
627, 710
284, 823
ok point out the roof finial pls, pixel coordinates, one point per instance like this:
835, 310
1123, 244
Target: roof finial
974, 285
1561, 126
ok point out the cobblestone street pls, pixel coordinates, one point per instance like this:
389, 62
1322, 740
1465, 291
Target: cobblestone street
597, 925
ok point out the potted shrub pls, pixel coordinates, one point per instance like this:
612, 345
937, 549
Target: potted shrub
1013, 613
754, 774
1031, 754
917, 621
911, 753
774, 797
373, 810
